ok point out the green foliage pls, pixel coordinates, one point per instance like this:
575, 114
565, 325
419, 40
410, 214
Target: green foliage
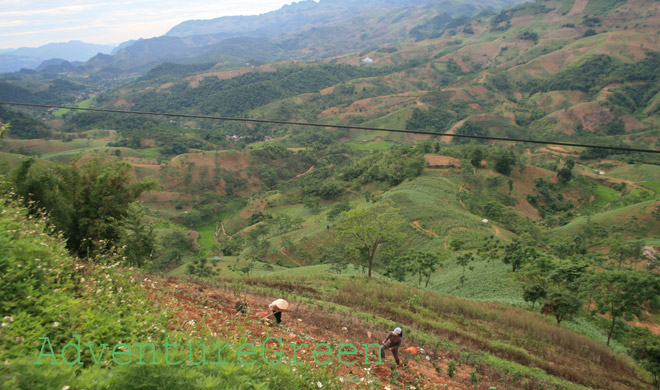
22, 125
529, 35
391, 167
451, 368
549, 200
563, 305
601, 7
646, 349
469, 129
171, 70
337, 209
240, 94
171, 250
504, 162
365, 230
589, 76
464, 261
433, 28
422, 264
434, 119
136, 238
201, 268
4, 129
84, 202
623, 293
534, 293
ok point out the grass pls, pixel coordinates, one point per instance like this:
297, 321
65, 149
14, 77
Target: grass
645, 224
637, 172
488, 282
371, 146
87, 103
206, 239
150, 152
600, 7
652, 185
603, 195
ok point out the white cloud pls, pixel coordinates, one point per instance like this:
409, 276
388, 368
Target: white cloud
37, 22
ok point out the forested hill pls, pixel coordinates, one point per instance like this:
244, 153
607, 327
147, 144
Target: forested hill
302, 15
305, 29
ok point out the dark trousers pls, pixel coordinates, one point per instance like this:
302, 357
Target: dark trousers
278, 316
395, 353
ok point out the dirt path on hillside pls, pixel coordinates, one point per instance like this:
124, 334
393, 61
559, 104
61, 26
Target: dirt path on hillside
578, 7
418, 225
498, 232
285, 253
306, 172
202, 309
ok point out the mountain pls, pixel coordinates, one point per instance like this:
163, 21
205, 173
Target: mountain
12, 63
302, 30
303, 15
12, 60
70, 51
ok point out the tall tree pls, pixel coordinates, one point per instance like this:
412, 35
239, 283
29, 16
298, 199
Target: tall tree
136, 237
364, 230
623, 293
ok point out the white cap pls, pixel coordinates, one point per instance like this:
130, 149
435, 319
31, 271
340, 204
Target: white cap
397, 331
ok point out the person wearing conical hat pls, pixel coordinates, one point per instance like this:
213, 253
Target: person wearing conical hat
392, 342
277, 307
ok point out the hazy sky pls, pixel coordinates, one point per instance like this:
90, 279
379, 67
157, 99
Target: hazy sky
35, 23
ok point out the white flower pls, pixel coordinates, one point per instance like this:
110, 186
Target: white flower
66, 387
341, 379
428, 357
319, 384
5, 325
56, 324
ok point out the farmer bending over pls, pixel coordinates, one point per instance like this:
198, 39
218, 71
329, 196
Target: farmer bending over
392, 342
277, 307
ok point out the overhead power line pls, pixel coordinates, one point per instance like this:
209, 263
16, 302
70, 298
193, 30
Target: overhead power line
224, 118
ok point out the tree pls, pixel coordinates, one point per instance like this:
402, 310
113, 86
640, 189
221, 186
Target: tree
476, 157
313, 204
423, 264
623, 251
367, 229
534, 293
565, 175
136, 238
504, 162
646, 349
398, 269
517, 253
201, 268
83, 201
4, 129
172, 247
337, 209
623, 293
464, 261
563, 305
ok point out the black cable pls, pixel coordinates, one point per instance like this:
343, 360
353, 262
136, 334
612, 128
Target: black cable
338, 127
